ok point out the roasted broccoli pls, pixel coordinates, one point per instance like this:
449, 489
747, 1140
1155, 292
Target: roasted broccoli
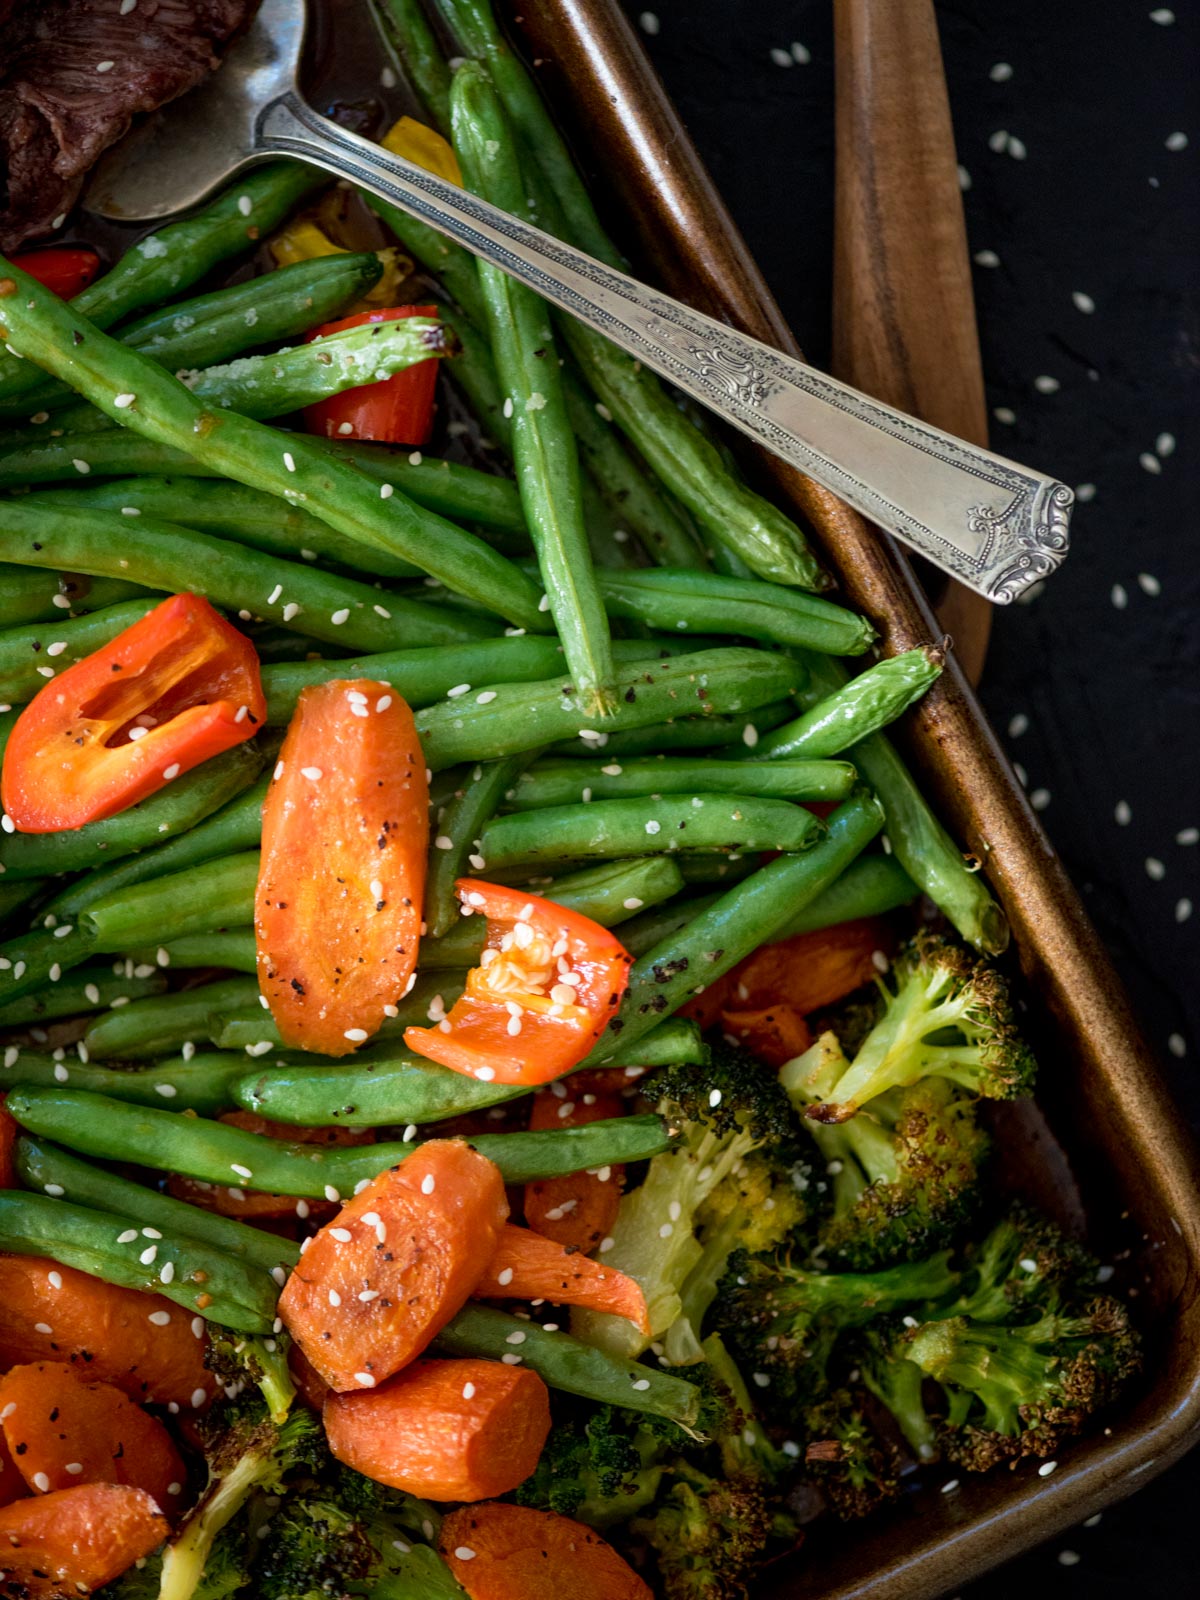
708, 1535
905, 1173
856, 1468
674, 1233
1019, 1359
599, 1465
247, 1455
239, 1359
785, 1322
947, 1015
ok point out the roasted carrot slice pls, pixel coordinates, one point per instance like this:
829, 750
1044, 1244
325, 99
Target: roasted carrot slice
444, 1430
386, 1275
12, 1484
9, 1133
256, 1204
580, 1209
64, 1430
776, 1034
54, 1313
310, 1385
503, 1552
344, 835
76, 1540
527, 1266
807, 972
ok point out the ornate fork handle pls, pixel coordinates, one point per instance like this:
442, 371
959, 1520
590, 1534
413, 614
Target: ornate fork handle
993, 524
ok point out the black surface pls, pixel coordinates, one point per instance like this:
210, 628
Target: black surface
1098, 205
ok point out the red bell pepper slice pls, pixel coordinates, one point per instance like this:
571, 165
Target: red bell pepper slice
342, 878
397, 410
62, 270
546, 987
173, 690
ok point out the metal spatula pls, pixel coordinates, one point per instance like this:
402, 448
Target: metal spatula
993, 524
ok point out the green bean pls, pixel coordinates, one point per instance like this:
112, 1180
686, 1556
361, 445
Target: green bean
231, 511
474, 372
544, 452
200, 1083
214, 895
869, 887
319, 605
15, 895
710, 603
860, 707
27, 595
644, 932
631, 493
115, 1131
455, 848
609, 894
46, 1167
565, 1363
422, 676
50, 333
686, 962
173, 810
670, 1042
395, 1089
231, 947
164, 1023
508, 718
921, 844
253, 1030
649, 825
234, 1293
235, 827
86, 989
708, 867
216, 327
683, 733
557, 783
31, 960
462, 493
26, 662
405, 24
159, 266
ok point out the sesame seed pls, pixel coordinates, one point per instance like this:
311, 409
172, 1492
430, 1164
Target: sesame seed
335, 1298
1149, 584
199, 1396
128, 1236
197, 1327
364, 1379
653, 827
641, 1383
41, 1481
1046, 1468
160, 1319
1155, 869
485, 698
1069, 1558
464, 1553
278, 773
313, 774
511, 1360
331, 1193
123, 401
427, 1183
1176, 142
368, 1295
105, 66
289, 461
1183, 909
714, 1098
274, 594
171, 772
386, 491
148, 1254
355, 1035
341, 616
42, 1327
57, 648
1150, 463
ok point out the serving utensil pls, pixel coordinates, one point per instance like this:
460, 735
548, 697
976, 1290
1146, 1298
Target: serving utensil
993, 524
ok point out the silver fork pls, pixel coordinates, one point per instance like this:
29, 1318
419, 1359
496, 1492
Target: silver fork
996, 526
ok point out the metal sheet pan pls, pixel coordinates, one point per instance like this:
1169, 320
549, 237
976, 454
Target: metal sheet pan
1110, 1133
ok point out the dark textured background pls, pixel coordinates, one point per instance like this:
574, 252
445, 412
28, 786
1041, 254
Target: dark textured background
1078, 135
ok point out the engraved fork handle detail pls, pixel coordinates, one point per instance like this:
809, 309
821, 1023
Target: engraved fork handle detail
997, 526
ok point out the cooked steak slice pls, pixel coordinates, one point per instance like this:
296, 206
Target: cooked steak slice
73, 74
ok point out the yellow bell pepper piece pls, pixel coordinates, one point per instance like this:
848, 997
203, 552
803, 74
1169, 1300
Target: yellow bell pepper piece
424, 148
301, 240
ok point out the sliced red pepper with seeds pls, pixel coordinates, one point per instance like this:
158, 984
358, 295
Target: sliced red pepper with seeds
63, 269
396, 410
175, 689
547, 985
342, 877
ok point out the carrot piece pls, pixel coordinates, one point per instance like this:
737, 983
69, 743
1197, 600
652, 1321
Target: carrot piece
310, 1385
251, 1205
345, 829
76, 1540
10, 1131
807, 972
776, 1034
444, 1430
54, 1313
64, 1430
527, 1266
381, 1280
580, 1209
503, 1552
12, 1484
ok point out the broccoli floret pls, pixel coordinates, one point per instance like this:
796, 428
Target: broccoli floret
708, 1535
226, 1572
856, 1468
947, 1015
598, 1465
239, 1359
247, 1455
786, 1322
315, 1549
898, 1384
1021, 1389
740, 1437
905, 1172
674, 1227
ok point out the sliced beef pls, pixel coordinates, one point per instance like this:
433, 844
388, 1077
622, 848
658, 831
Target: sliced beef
73, 74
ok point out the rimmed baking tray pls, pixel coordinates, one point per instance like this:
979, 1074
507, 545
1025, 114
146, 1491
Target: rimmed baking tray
1111, 1139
